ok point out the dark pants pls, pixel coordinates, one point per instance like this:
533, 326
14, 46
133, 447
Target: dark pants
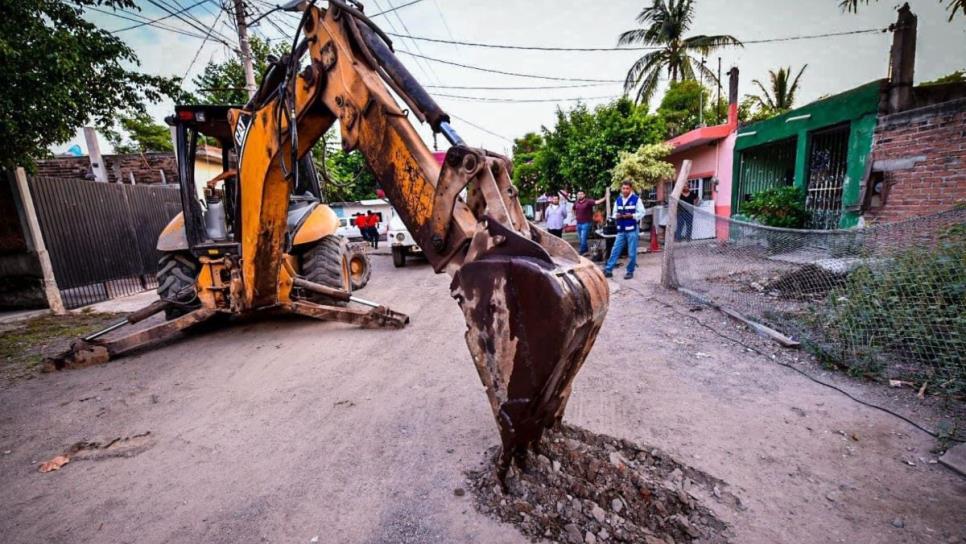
683, 230
373, 237
556, 232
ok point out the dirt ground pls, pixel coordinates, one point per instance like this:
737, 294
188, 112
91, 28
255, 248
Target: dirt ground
288, 430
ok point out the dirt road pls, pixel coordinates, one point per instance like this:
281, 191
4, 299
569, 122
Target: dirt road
285, 430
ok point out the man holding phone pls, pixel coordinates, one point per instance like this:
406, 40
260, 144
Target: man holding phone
628, 212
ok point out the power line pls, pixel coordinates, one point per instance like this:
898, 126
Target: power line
585, 49
154, 25
195, 59
478, 127
139, 25
421, 65
418, 48
394, 9
514, 88
524, 100
190, 21
494, 71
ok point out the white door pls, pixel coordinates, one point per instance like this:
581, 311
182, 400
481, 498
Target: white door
703, 217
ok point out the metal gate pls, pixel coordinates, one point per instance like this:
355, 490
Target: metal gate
764, 167
827, 162
102, 236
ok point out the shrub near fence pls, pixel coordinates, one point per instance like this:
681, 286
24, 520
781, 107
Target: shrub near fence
886, 300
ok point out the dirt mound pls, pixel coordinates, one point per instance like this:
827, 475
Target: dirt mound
587, 488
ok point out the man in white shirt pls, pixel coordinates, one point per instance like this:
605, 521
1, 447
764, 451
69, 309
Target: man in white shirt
556, 217
628, 211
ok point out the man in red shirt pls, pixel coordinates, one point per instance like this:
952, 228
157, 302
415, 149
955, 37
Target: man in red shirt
584, 213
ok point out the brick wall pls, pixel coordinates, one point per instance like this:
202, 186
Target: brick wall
922, 156
145, 167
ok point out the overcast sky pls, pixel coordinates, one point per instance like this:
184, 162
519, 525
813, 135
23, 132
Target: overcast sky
835, 64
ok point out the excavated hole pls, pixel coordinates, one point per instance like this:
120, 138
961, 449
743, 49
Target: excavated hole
588, 488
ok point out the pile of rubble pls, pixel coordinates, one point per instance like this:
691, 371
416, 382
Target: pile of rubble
588, 488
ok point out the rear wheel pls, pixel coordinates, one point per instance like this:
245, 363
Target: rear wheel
326, 262
360, 269
399, 256
177, 274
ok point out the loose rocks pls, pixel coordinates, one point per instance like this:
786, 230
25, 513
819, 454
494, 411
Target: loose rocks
597, 488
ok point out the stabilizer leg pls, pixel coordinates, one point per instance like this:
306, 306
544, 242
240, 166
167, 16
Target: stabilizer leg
86, 352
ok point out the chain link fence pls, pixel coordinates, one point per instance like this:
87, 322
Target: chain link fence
885, 300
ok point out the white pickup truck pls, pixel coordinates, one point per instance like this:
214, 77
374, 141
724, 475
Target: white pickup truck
401, 241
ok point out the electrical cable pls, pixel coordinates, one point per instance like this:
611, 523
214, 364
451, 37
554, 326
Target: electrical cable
494, 71
478, 127
188, 21
395, 8
515, 88
139, 25
154, 25
524, 100
197, 53
598, 49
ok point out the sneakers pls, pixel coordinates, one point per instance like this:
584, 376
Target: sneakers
608, 274
629, 276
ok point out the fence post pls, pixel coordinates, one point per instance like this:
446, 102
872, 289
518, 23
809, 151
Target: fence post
669, 277
51, 292
94, 154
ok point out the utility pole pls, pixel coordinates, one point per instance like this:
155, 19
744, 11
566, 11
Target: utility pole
246, 48
717, 101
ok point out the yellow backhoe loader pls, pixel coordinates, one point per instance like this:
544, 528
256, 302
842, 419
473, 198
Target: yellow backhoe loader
533, 306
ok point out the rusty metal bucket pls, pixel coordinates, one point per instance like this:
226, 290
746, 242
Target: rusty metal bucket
533, 309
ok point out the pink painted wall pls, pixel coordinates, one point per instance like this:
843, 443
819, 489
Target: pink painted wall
714, 160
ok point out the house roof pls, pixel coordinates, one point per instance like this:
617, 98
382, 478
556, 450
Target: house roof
700, 136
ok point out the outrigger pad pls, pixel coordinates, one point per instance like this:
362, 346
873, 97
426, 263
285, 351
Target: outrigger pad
80, 354
530, 326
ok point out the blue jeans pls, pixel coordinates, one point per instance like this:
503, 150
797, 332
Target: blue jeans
628, 238
583, 232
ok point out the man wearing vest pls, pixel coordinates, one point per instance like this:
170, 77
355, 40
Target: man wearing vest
628, 211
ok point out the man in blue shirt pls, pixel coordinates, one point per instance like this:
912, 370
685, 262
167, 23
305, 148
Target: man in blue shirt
628, 211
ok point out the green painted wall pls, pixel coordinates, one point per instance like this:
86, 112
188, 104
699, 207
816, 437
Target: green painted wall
858, 107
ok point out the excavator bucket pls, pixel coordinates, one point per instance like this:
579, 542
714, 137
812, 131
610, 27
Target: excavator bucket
532, 318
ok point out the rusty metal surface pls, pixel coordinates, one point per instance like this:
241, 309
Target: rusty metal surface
531, 321
379, 317
83, 353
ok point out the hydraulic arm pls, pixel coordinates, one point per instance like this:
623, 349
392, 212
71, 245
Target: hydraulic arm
532, 305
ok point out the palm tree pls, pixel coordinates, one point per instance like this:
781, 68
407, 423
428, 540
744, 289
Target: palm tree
782, 94
954, 7
663, 25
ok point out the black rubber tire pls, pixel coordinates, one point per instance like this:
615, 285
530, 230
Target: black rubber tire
176, 271
326, 262
399, 256
360, 268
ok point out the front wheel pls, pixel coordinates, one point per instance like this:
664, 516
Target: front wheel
326, 262
177, 274
399, 256
360, 269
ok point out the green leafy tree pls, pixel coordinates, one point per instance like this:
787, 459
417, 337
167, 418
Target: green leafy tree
141, 135
526, 164
645, 166
959, 76
779, 96
224, 82
582, 148
953, 6
681, 107
62, 72
345, 176
663, 25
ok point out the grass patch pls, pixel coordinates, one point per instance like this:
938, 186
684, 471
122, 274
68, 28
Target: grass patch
24, 344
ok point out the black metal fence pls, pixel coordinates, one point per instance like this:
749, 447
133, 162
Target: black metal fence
102, 236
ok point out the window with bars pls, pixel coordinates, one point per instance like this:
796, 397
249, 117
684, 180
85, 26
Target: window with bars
827, 163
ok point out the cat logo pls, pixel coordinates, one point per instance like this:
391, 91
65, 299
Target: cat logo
241, 129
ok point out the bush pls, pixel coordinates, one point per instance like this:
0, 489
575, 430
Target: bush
778, 207
909, 310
